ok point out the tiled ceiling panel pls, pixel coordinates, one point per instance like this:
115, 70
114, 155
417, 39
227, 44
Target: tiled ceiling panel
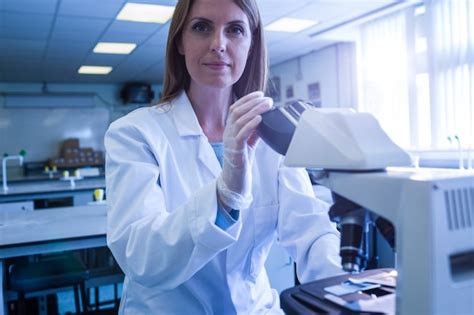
21, 47
29, 6
48, 40
25, 25
90, 8
123, 37
271, 10
67, 49
151, 74
147, 53
78, 28
160, 37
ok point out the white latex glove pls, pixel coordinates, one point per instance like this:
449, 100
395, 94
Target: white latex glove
240, 140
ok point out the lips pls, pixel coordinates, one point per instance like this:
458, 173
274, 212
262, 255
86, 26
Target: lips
217, 64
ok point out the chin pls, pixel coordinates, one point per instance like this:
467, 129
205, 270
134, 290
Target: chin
218, 83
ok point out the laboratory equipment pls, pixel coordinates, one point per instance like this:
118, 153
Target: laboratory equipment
50, 171
6, 158
428, 214
72, 179
98, 197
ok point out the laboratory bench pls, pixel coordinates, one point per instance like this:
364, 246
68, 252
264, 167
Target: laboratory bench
41, 194
15, 178
24, 233
69, 222
51, 185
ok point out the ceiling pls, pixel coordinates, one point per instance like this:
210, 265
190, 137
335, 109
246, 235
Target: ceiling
48, 40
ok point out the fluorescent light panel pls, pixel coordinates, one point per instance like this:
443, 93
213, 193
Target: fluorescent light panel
290, 25
94, 70
114, 48
147, 13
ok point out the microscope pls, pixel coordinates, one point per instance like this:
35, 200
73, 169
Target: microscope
426, 215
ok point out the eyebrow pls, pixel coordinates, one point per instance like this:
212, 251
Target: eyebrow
209, 21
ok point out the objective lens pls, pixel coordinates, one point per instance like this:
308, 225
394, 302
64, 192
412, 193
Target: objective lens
352, 253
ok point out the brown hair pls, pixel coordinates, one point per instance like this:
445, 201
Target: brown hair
253, 78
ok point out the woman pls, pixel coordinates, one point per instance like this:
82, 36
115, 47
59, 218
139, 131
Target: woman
194, 199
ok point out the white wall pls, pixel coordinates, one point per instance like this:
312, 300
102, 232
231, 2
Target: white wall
40, 131
333, 67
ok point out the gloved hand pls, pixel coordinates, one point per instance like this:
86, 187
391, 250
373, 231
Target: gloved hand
240, 140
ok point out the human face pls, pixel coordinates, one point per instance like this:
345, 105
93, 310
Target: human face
215, 42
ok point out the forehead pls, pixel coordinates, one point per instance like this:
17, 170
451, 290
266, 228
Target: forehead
218, 11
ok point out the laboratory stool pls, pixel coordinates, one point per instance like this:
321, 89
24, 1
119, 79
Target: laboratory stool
103, 271
100, 277
47, 275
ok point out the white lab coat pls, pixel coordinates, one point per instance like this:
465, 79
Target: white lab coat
161, 194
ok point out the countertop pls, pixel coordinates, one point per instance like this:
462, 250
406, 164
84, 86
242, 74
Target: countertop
22, 227
51, 185
19, 178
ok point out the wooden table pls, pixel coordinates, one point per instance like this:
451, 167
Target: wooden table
50, 230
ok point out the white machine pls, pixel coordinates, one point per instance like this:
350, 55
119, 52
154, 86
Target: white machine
432, 210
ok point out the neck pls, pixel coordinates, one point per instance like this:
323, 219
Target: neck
210, 106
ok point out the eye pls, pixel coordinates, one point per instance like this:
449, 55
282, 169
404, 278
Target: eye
201, 27
236, 30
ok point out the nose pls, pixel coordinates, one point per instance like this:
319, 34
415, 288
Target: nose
218, 44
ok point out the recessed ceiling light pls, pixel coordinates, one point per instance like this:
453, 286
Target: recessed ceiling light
114, 48
290, 25
94, 70
148, 13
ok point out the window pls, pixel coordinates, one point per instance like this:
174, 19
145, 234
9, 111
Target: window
383, 68
417, 74
451, 43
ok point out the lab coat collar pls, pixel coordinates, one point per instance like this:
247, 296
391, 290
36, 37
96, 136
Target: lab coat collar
187, 124
184, 117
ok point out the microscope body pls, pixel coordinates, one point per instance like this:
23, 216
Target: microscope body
433, 215
431, 210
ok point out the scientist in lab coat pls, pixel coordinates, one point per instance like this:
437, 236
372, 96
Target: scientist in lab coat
195, 200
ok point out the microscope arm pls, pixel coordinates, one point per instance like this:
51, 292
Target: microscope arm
354, 151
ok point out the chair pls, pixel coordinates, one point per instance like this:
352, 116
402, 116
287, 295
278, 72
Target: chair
103, 270
49, 274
